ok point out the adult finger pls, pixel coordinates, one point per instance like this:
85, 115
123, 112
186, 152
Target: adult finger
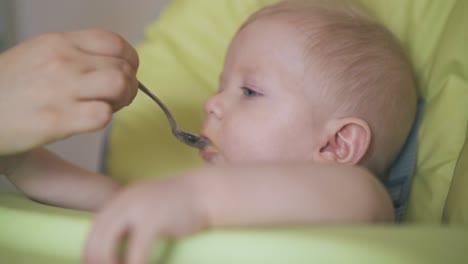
100, 62
87, 116
110, 85
75, 118
102, 42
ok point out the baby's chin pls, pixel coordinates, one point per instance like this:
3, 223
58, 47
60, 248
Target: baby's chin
212, 156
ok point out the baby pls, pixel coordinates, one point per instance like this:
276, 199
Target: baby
315, 100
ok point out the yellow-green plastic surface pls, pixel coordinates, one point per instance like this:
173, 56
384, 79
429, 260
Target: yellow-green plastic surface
456, 208
48, 235
181, 58
434, 33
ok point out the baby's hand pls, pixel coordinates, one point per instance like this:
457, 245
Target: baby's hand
144, 213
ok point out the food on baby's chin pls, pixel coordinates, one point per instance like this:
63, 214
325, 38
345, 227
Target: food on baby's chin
211, 148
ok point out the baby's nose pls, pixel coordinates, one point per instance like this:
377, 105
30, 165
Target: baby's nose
214, 106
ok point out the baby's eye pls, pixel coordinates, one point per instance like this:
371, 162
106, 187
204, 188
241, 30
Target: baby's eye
249, 92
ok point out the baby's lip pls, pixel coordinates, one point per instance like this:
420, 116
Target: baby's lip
208, 156
211, 144
209, 152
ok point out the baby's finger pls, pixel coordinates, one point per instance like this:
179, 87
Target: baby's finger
101, 42
139, 245
103, 240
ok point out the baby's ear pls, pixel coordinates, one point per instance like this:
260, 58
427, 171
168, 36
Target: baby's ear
347, 141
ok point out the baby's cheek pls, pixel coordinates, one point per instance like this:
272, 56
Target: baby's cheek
269, 147
251, 148
238, 144
247, 139
236, 148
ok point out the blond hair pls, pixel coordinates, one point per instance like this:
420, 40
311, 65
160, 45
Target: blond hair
367, 74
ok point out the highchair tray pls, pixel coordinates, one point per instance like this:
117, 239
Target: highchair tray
35, 233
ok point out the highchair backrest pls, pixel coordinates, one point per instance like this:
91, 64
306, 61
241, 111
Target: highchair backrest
456, 207
181, 59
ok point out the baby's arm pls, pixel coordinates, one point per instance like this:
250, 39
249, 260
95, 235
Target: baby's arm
292, 194
234, 197
45, 177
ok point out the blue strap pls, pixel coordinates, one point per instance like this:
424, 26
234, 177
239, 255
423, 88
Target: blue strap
400, 174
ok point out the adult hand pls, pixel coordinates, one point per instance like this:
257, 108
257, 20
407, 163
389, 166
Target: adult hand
63, 83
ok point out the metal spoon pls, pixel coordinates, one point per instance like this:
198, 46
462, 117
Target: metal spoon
190, 139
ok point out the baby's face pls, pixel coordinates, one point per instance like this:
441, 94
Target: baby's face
262, 111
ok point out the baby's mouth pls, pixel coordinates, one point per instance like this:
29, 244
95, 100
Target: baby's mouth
209, 157
210, 153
